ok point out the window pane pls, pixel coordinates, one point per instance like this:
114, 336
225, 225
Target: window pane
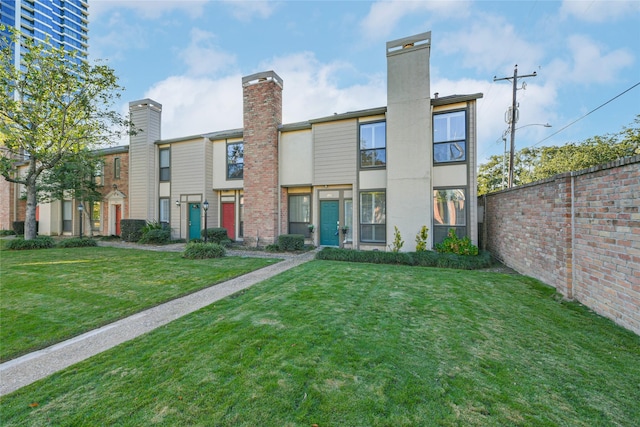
164, 158
164, 210
235, 160
116, 168
96, 212
348, 218
449, 152
299, 208
373, 216
449, 207
449, 126
373, 143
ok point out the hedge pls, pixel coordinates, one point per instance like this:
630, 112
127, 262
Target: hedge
216, 235
18, 244
421, 259
200, 250
131, 229
290, 242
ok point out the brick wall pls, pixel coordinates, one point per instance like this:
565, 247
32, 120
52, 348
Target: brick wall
578, 232
262, 99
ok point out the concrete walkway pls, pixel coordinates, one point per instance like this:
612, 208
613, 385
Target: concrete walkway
31, 367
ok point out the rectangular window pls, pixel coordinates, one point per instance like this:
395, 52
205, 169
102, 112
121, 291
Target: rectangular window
67, 216
96, 216
165, 164
116, 168
348, 219
449, 211
235, 160
373, 144
164, 210
241, 217
450, 137
373, 223
300, 214
98, 174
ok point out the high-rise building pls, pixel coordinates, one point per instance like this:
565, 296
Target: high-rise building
65, 22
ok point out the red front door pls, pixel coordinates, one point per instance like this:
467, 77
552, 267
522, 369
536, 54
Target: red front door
229, 219
118, 218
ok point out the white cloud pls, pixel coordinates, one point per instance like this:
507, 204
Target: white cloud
491, 43
245, 10
148, 9
193, 105
600, 10
384, 16
202, 56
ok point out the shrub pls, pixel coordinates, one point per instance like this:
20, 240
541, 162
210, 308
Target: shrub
398, 243
131, 229
421, 259
158, 236
77, 242
455, 245
18, 244
200, 250
290, 242
7, 233
421, 239
216, 235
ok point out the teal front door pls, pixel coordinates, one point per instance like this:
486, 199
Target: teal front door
329, 214
194, 221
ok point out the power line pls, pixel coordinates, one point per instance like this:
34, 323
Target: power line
580, 118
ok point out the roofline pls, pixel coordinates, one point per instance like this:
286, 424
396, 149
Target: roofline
453, 99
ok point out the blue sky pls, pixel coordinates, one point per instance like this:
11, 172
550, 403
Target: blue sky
191, 55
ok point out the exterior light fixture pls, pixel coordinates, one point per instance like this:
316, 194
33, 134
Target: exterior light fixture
178, 203
80, 209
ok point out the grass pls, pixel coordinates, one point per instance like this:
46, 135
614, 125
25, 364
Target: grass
344, 344
54, 294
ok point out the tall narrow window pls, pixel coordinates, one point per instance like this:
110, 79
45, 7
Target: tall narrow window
98, 174
165, 164
373, 144
116, 168
373, 222
241, 217
450, 137
348, 219
67, 216
235, 160
96, 216
299, 214
164, 210
449, 212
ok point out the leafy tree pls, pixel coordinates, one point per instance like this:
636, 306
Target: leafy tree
534, 164
57, 108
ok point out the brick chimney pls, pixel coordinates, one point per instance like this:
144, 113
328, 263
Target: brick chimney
262, 98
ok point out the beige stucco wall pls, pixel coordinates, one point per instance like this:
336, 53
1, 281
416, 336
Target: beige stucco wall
296, 158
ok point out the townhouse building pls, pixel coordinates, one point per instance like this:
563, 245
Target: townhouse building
349, 179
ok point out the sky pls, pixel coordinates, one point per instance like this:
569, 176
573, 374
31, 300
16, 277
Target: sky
190, 56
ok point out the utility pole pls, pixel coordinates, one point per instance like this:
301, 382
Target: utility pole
513, 119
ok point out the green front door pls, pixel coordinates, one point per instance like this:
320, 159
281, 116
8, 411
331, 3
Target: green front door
329, 214
194, 221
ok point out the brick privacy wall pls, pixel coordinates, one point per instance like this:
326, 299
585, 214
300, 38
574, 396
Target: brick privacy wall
592, 256
262, 116
6, 203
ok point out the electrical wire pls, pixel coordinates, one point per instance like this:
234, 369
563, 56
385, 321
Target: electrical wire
580, 118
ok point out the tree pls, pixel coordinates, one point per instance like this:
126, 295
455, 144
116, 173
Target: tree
534, 164
59, 108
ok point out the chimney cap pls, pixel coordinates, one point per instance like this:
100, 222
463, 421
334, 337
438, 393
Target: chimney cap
261, 78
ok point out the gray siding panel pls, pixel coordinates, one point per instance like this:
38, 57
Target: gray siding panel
335, 148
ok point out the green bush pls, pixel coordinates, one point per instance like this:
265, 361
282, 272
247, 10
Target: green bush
77, 242
7, 233
455, 245
199, 250
421, 239
18, 244
420, 259
216, 235
158, 236
290, 242
131, 229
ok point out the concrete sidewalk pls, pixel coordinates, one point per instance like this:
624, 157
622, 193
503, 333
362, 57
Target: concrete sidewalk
31, 367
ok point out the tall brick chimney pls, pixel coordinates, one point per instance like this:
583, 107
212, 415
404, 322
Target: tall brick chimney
262, 98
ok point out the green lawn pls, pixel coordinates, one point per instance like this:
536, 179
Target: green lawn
49, 295
340, 344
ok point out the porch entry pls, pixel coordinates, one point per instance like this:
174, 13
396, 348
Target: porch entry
229, 219
329, 218
194, 221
